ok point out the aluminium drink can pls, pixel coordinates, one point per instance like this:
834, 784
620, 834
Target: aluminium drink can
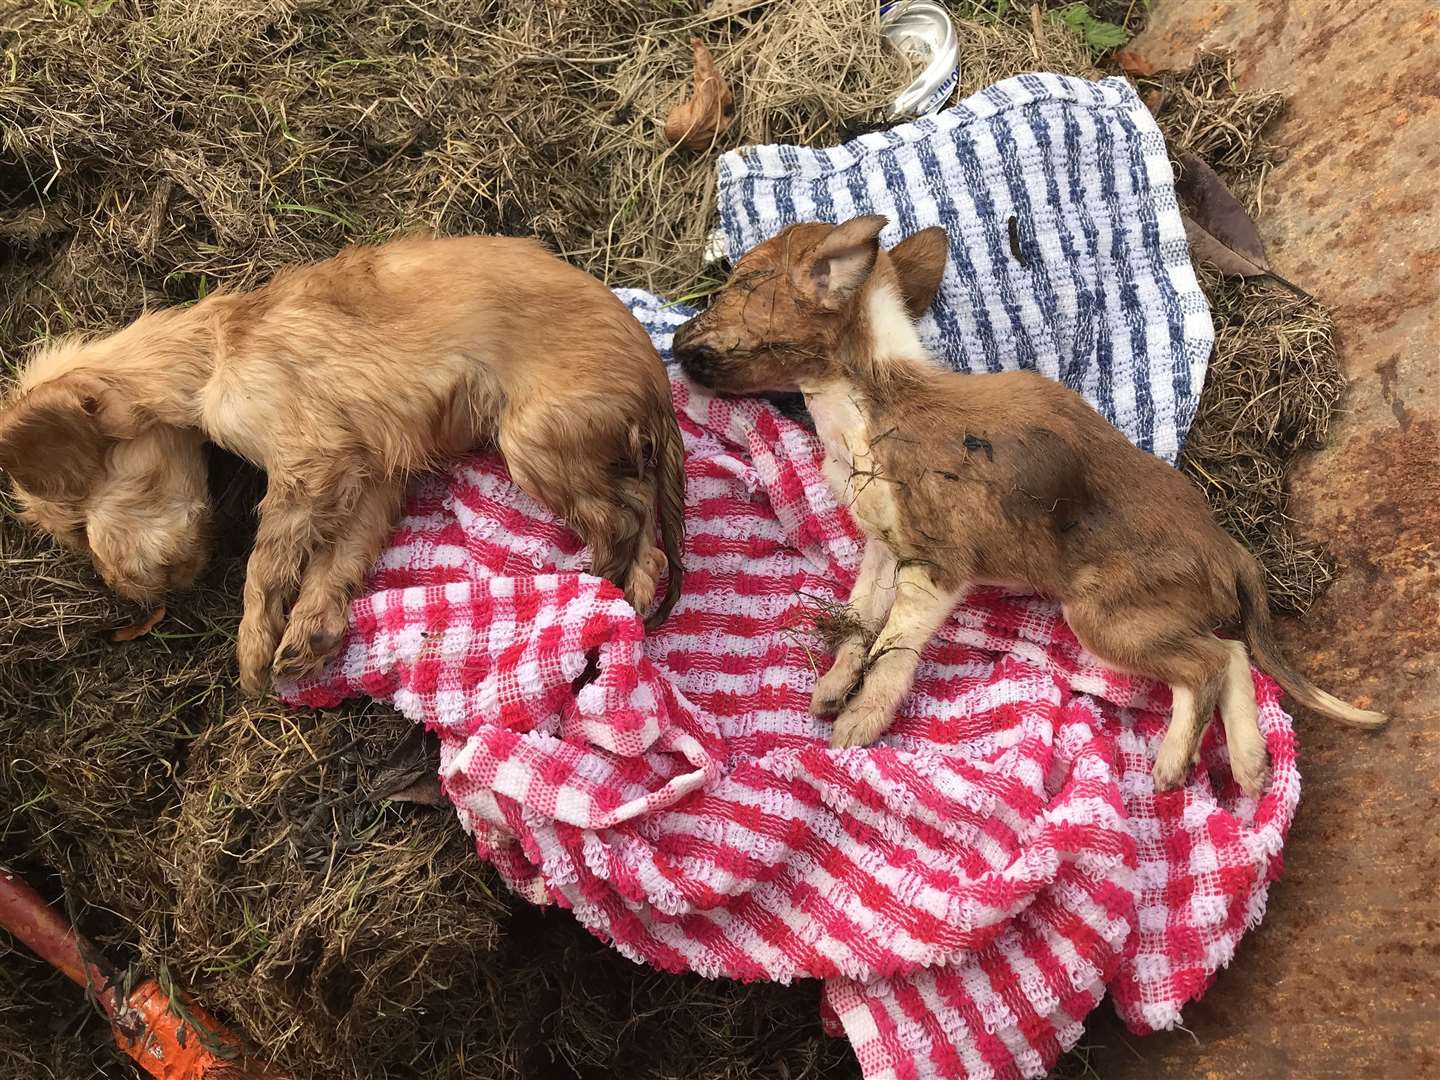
924, 32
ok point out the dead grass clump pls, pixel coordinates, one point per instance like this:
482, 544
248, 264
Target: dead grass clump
325, 922
811, 71
353, 938
835, 623
95, 734
593, 1014
1273, 382
152, 150
993, 48
1202, 111
1272, 387
47, 1030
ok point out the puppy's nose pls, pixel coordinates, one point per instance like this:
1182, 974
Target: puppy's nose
697, 356
698, 363
683, 333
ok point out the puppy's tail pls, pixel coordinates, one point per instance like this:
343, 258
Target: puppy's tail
669, 477
1260, 637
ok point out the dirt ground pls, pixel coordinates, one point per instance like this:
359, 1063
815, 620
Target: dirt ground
1343, 977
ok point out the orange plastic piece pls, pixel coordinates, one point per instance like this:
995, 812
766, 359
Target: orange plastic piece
165, 1045
166, 1042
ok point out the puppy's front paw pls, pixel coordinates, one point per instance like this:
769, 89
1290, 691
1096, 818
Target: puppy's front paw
310, 639
834, 687
643, 579
1172, 765
255, 651
860, 724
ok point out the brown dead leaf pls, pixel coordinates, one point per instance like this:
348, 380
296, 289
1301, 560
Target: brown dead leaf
410, 772
1220, 232
424, 791
1132, 63
1155, 101
140, 628
696, 124
1208, 248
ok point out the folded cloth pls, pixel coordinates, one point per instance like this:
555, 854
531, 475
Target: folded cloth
968, 888
1068, 255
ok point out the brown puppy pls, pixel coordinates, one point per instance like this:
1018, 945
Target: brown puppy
341, 380
1006, 479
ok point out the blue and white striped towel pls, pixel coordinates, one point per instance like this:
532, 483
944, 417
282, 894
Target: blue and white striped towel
1101, 296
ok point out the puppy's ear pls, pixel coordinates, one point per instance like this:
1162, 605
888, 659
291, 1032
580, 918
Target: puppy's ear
920, 264
54, 437
841, 263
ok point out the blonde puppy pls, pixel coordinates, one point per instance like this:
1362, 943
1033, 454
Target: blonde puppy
1007, 479
341, 380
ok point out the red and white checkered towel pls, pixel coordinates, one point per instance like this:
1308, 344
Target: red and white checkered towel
969, 888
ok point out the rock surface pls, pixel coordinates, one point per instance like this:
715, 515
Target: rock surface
1343, 977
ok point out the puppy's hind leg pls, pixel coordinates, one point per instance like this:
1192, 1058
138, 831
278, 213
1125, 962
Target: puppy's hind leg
1149, 642
1249, 761
615, 517
645, 563
334, 574
1197, 674
618, 526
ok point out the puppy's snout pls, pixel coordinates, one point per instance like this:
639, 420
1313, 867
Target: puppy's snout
699, 359
147, 585
133, 588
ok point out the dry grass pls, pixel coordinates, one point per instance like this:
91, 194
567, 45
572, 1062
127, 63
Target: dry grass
1202, 111
1272, 386
834, 623
153, 150
201, 144
1273, 381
